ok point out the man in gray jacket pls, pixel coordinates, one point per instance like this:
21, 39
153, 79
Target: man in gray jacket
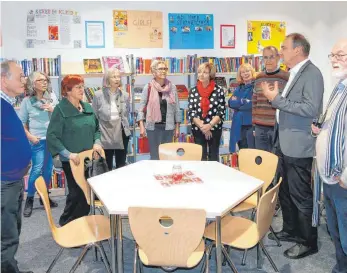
298, 105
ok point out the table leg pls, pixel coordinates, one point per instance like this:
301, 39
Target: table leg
218, 245
113, 251
92, 212
119, 243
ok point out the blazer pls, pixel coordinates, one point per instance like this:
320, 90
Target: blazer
303, 103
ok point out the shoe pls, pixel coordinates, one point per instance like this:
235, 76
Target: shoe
283, 236
299, 251
51, 202
26, 272
28, 209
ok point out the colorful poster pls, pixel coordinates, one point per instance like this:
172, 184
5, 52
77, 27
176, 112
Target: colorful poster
261, 34
137, 29
191, 31
53, 28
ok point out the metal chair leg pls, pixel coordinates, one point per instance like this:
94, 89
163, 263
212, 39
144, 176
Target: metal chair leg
103, 256
244, 257
55, 260
259, 258
135, 259
268, 256
100, 210
80, 258
231, 264
276, 239
225, 259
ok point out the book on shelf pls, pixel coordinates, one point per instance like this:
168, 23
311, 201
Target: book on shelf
92, 66
229, 160
233, 84
90, 92
111, 62
58, 180
221, 81
138, 92
182, 91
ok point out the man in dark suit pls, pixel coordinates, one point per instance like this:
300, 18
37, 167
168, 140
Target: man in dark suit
298, 105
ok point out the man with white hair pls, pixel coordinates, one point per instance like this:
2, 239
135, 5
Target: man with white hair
332, 156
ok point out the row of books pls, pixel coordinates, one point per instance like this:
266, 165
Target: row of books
49, 66
229, 160
57, 181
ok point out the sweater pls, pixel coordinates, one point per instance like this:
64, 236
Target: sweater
72, 131
15, 147
262, 112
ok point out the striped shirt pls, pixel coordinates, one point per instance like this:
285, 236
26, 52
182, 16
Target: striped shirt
262, 112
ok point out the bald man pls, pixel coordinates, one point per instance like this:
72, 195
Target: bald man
332, 156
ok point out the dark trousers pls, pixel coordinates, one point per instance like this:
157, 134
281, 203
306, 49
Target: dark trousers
296, 198
76, 204
264, 137
247, 137
119, 154
11, 223
156, 137
335, 199
212, 144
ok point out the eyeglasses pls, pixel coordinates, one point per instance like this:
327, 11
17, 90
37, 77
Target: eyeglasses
338, 56
42, 81
162, 69
272, 57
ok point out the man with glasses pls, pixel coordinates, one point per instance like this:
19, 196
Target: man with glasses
263, 115
332, 156
15, 159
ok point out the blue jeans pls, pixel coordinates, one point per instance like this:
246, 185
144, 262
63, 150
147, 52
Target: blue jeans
42, 164
335, 199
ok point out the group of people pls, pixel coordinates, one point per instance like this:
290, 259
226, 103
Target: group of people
273, 111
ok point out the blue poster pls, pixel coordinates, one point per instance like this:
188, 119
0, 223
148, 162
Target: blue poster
191, 31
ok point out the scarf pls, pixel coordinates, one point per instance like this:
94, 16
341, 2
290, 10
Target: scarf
205, 93
336, 142
153, 106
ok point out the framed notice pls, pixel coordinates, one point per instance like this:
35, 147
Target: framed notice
227, 36
95, 34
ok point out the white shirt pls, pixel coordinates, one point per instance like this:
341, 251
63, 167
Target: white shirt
292, 75
114, 109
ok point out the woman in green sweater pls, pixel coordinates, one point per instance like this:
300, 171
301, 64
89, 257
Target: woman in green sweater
73, 128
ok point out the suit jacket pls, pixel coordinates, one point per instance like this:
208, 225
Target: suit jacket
302, 103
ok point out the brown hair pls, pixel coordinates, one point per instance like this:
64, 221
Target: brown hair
69, 82
210, 66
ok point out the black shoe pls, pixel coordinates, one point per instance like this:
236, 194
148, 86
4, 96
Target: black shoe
51, 202
283, 236
28, 209
299, 251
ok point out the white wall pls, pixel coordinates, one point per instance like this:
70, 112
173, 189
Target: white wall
321, 22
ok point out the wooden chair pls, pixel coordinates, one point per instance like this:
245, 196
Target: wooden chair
243, 233
171, 151
262, 165
158, 244
86, 231
78, 174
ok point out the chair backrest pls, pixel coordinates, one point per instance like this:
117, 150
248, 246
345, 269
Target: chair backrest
43, 192
78, 172
167, 246
172, 151
266, 209
259, 164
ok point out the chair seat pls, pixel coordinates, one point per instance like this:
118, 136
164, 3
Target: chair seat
82, 231
193, 260
248, 204
237, 232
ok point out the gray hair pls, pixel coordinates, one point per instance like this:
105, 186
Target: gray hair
31, 83
272, 48
155, 63
6, 68
109, 73
299, 40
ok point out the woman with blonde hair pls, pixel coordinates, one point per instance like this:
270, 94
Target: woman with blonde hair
241, 132
206, 110
159, 107
35, 113
112, 106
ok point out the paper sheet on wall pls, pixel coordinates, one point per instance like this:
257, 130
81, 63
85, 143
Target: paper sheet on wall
53, 28
137, 29
261, 34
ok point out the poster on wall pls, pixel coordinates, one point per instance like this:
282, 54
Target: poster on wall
53, 28
261, 34
191, 31
227, 36
137, 29
95, 34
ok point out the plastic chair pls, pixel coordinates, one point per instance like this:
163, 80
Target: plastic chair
167, 244
88, 231
171, 151
242, 233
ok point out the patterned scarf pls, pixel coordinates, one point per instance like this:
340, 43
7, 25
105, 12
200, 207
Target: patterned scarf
153, 107
336, 141
205, 93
